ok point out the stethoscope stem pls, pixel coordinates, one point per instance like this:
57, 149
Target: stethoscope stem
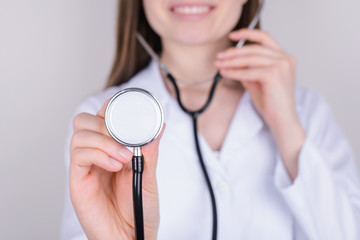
138, 168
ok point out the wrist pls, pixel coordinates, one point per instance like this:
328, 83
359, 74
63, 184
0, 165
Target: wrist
289, 140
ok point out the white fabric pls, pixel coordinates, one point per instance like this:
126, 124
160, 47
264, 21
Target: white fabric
255, 198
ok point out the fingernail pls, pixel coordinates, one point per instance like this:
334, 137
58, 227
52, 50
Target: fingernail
124, 152
115, 162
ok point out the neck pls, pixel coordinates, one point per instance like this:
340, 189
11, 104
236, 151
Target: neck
192, 63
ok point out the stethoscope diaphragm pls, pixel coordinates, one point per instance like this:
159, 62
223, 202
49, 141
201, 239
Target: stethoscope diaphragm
134, 117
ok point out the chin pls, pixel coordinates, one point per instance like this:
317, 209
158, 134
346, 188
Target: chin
193, 40
197, 37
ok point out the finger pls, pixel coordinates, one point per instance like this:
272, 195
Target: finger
84, 158
251, 75
255, 36
253, 49
101, 112
247, 61
86, 121
86, 139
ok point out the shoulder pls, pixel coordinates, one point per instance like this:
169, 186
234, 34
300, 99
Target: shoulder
93, 103
143, 79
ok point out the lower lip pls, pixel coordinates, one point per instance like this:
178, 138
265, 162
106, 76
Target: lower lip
191, 17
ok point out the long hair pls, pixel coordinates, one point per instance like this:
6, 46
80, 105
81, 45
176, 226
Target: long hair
130, 56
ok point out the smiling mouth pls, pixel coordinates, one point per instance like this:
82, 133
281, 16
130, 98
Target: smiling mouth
191, 10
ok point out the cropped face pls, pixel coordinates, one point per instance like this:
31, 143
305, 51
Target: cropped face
193, 22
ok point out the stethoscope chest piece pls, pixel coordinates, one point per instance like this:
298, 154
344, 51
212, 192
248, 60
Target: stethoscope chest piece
134, 117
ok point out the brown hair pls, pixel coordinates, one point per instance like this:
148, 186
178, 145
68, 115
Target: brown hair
130, 56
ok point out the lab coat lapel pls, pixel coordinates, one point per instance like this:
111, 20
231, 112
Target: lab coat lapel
245, 125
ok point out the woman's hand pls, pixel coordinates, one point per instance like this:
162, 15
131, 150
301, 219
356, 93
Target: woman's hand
101, 182
268, 74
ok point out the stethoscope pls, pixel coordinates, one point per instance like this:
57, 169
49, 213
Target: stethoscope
134, 118
127, 124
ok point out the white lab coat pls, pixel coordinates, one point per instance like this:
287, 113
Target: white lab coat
255, 198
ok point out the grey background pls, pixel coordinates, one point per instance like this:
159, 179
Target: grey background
55, 53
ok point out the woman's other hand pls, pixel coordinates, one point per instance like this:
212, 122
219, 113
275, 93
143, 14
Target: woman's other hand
268, 74
101, 181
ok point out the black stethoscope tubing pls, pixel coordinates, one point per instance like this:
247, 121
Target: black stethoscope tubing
138, 168
194, 115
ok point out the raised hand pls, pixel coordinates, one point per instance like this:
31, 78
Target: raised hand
101, 181
268, 74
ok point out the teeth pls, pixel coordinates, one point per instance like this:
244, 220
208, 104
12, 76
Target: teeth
192, 9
